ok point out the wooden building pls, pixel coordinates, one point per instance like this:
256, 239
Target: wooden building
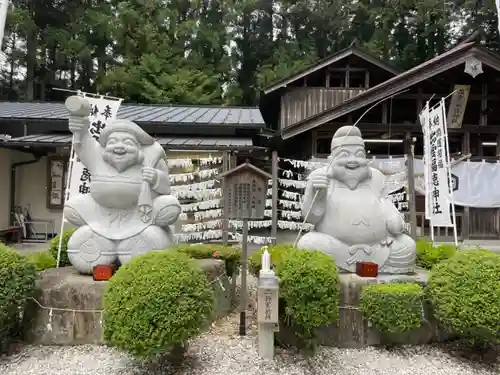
308, 107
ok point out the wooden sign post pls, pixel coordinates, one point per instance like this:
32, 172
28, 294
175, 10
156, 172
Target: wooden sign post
245, 198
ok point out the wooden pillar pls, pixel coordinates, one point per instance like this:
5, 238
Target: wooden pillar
226, 157
274, 216
410, 149
465, 233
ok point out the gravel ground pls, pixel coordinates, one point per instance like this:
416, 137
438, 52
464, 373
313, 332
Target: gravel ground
221, 351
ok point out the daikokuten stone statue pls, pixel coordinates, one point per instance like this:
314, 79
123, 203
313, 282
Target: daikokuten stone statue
129, 208
353, 220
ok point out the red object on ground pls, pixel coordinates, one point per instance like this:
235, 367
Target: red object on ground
103, 272
366, 269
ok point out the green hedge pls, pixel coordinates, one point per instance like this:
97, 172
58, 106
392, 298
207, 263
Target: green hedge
393, 308
42, 260
229, 254
156, 303
277, 252
309, 288
54, 245
17, 284
465, 293
428, 256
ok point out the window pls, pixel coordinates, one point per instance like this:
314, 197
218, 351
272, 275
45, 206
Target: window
323, 146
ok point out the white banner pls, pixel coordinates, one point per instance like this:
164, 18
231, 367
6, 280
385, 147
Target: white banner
439, 189
103, 111
424, 122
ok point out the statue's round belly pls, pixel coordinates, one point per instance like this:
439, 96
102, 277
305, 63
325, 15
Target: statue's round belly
354, 219
116, 194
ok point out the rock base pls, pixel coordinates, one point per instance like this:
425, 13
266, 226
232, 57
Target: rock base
354, 331
62, 290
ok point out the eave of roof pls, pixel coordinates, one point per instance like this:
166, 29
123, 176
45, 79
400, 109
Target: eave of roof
172, 143
142, 114
437, 65
353, 50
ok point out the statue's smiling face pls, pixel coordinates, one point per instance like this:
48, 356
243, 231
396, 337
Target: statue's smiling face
122, 151
350, 165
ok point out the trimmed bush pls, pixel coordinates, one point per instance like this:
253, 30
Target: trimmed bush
42, 260
309, 288
156, 303
277, 252
465, 293
54, 244
229, 254
428, 256
18, 284
393, 308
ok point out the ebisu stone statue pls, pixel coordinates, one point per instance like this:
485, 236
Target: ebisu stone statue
353, 221
130, 207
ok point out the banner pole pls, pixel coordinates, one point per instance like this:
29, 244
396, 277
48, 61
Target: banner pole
450, 187
66, 196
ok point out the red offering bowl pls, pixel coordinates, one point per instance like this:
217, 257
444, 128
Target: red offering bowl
103, 272
366, 269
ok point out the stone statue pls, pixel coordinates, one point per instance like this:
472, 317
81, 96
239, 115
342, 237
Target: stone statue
129, 208
352, 219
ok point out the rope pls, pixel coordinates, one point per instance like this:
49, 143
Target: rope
97, 311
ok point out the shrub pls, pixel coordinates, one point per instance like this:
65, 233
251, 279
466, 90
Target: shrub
42, 260
229, 254
428, 255
393, 308
464, 291
156, 303
309, 287
18, 284
277, 252
54, 245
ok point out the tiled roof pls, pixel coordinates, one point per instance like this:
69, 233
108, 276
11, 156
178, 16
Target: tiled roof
141, 113
181, 143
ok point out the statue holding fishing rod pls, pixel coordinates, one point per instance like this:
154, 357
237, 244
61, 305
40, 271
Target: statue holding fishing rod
130, 206
353, 221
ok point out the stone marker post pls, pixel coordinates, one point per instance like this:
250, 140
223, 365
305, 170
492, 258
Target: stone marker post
267, 307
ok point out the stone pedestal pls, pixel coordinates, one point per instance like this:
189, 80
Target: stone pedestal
64, 289
354, 331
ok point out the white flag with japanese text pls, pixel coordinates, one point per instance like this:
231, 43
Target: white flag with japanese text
424, 122
437, 164
102, 112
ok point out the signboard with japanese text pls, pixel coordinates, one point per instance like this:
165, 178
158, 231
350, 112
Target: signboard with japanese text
424, 122
102, 112
267, 307
438, 185
245, 192
458, 104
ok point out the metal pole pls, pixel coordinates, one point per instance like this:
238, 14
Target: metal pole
274, 216
243, 293
411, 185
225, 220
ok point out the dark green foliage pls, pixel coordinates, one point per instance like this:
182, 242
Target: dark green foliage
54, 245
17, 284
465, 293
428, 256
42, 260
309, 287
393, 308
155, 303
229, 254
277, 252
